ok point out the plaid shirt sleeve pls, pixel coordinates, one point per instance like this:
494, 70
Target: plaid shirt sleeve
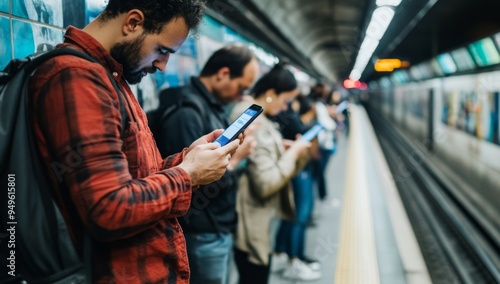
81, 126
181, 204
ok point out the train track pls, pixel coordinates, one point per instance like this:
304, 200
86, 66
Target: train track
456, 244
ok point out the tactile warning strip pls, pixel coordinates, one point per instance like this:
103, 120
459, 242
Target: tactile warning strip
357, 258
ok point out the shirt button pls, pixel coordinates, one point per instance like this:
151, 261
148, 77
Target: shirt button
184, 275
115, 74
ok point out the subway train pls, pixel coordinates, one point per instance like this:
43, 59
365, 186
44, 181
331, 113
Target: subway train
456, 119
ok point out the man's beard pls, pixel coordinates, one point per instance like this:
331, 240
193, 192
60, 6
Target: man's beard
129, 55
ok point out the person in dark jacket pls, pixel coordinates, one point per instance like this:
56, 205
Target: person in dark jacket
211, 219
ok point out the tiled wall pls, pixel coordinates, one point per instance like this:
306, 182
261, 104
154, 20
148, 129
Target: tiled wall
27, 26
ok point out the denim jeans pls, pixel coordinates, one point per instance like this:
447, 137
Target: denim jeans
318, 169
209, 255
291, 235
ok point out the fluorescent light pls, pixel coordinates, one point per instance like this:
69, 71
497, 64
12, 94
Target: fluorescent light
381, 19
379, 22
369, 45
355, 75
394, 3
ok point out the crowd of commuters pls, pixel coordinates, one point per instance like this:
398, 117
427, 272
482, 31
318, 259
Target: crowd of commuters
167, 205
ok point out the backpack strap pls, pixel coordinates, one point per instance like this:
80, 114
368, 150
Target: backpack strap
189, 101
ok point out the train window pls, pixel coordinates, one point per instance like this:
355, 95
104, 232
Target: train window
484, 52
497, 40
447, 64
400, 77
415, 73
436, 67
463, 59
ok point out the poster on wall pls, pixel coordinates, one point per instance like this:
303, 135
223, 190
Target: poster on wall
44, 11
5, 46
187, 67
93, 8
178, 72
206, 46
30, 38
488, 115
188, 48
4, 6
473, 113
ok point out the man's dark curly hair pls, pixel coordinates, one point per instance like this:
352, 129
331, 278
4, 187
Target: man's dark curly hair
158, 12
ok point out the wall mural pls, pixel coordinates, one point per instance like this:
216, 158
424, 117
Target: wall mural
93, 8
5, 45
44, 11
4, 6
30, 38
74, 13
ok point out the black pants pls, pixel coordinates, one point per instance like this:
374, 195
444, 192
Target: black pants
250, 273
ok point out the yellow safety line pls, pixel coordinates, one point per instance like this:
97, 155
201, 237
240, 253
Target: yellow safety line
357, 258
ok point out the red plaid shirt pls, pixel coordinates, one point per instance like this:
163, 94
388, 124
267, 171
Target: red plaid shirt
119, 190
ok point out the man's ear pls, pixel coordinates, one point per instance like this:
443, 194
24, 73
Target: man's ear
133, 22
223, 72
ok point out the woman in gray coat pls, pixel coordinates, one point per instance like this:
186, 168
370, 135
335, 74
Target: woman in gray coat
265, 191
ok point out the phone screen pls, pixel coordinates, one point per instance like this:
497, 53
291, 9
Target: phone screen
239, 125
342, 106
311, 133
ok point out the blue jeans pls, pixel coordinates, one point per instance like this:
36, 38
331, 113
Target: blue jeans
291, 235
318, 168
209, 255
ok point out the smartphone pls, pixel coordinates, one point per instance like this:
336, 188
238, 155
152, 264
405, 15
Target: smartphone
239, 125
342, 106
311, 133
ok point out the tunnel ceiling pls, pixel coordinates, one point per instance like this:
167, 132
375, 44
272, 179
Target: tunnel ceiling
323, 36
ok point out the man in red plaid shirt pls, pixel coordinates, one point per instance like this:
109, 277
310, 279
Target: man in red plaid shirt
117, 187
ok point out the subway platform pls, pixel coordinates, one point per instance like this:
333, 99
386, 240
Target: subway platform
362, 233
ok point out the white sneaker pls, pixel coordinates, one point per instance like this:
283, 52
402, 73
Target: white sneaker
298, 270
279, 262
313, 264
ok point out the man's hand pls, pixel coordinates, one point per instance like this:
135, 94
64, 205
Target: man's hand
208, 138
206, 162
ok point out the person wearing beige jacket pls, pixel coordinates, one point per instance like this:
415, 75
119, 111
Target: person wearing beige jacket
265, 191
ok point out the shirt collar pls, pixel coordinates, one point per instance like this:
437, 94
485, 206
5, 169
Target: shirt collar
93, 48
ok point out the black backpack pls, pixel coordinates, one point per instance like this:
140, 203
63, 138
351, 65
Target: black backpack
172, 100
35, 245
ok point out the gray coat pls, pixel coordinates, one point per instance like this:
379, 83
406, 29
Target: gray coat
265, 191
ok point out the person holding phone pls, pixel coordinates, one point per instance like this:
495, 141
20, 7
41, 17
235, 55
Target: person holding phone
193, 110
326, 140
289, 257
265, 188
109, 179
